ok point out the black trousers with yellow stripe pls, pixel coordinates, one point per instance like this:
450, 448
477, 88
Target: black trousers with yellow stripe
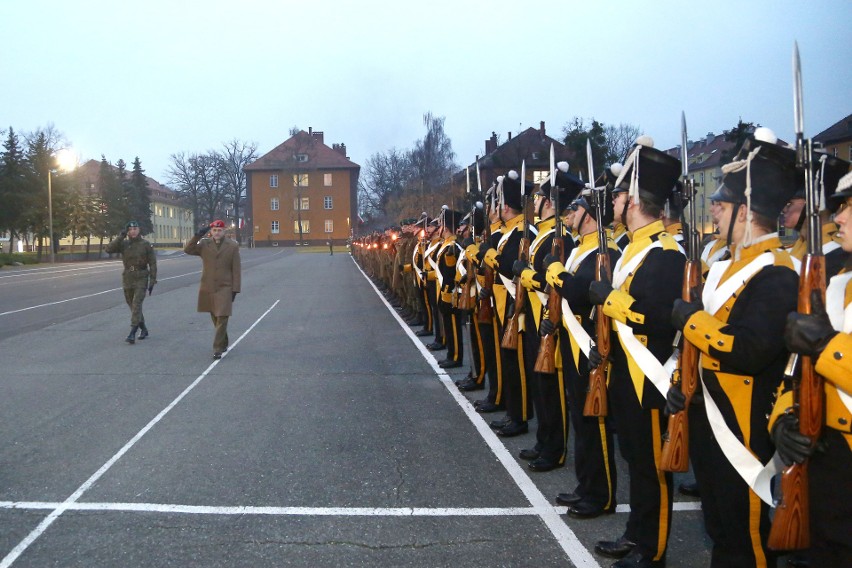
548, 399
831, 501
425, 308
594, 451
640, 441
477, 363
734, 516
453, 337
518, 399
437, 321
491, 334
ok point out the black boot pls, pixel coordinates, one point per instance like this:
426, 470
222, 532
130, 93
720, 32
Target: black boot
131, 338
143, 331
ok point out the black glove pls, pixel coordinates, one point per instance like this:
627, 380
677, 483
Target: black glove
792, 445
463, 280
675, 400
483, 248
122, 234
550, 259
682, 311
546, 327
808, 334
484, 294
150, 289
518, 266
234, 296
202, 231
595, 359
599, 290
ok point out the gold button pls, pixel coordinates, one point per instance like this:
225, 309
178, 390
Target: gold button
747, 381
706, 337
842, 421
720, 343
692, 326
838, 355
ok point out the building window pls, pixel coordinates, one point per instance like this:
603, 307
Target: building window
306, 204
327, 203
539, 176
326, 180
306, 226
273, 204
273, 180
701, 177
329, 226
300, 180
301, 158
275, 227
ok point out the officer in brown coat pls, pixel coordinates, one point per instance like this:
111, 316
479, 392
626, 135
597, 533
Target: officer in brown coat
220, 278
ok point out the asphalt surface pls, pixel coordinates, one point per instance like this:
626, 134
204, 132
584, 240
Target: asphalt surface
326, 436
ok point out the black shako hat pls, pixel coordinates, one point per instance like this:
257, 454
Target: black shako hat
568, 184
478, 218
767, 168
510, 190
650, 170
586, 201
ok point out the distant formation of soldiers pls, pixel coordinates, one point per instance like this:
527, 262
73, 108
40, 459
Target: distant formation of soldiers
521, 293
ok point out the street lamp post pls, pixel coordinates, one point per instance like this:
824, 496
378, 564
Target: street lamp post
65, 160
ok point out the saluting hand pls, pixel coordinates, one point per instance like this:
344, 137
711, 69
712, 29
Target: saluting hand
202, 231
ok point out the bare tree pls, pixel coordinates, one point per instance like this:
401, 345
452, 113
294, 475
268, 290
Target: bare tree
619, 139
234, 157
184, 175
386, 175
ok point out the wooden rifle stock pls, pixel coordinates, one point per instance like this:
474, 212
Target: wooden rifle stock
510, 334
545, 362
486, 306
596, 399
791, 524
675, 457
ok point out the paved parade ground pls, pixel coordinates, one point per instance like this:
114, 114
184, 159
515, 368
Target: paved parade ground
326, 436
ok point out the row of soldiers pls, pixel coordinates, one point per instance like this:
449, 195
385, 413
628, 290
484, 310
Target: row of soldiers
742, 423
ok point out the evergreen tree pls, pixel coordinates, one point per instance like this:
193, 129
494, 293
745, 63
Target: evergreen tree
12, 186
737, 135
140, 198
39, 159
116, 212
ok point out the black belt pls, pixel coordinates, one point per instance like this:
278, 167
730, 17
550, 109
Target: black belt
136, 268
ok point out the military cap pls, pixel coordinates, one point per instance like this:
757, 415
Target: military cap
510, 190
131, 224
568, 184
217, 223
649, 169
772, 172
843, 191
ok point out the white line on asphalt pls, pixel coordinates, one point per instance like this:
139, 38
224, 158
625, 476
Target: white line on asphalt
577, 553
88, 295
74, 497
312, 511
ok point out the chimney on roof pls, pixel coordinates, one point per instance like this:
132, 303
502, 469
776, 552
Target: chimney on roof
510, 135
340, 149
318, 135
491, 143
710, 138
541, 129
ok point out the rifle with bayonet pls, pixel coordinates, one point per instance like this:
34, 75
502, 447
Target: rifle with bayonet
791, 524
510, 334
465, 301
675, 455
546, 360
486, 307
597, 403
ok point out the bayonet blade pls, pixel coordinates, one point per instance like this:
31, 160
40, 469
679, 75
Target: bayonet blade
467, 178
684, 158
590, 164
798, 108
478, 179
523, 178
552, 166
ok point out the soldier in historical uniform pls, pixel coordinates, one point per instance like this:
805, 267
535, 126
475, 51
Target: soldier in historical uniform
220, 278
594, 451
825, 335
447, 259
139, 276
430, 277
502, 259
646, 281
467, 269
738, 326
547, 389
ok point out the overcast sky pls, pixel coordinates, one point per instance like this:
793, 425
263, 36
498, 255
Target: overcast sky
154, 78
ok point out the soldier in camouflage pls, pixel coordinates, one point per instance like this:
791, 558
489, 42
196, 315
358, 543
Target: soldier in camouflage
140, 274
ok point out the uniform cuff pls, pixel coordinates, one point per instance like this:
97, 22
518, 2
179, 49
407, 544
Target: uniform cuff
704, 331
528, 280
491, 258
617, 306
554, 274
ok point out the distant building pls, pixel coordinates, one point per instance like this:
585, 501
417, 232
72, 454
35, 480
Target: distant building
173, 222
837, 139
302, 191
531, 145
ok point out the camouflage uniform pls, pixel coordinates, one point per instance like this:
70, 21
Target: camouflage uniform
140, 272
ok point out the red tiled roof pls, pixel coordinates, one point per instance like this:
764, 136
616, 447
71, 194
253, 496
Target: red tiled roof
319, 155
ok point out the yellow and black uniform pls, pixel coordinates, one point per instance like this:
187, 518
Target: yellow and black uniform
430, 276
140, 274
501, 259
647, 281
620, 236
447, 256
418, 268
491, 331
834, 255
594, 452
739, 334
713, 251
830, 493
547, 390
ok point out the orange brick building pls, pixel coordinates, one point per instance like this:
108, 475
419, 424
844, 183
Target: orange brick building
302, 191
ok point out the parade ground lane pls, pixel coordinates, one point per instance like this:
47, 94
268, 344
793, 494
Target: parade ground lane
325, 437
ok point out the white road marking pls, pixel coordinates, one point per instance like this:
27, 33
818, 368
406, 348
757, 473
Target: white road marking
74, 497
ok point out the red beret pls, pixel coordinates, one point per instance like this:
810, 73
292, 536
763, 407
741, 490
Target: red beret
218, 223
